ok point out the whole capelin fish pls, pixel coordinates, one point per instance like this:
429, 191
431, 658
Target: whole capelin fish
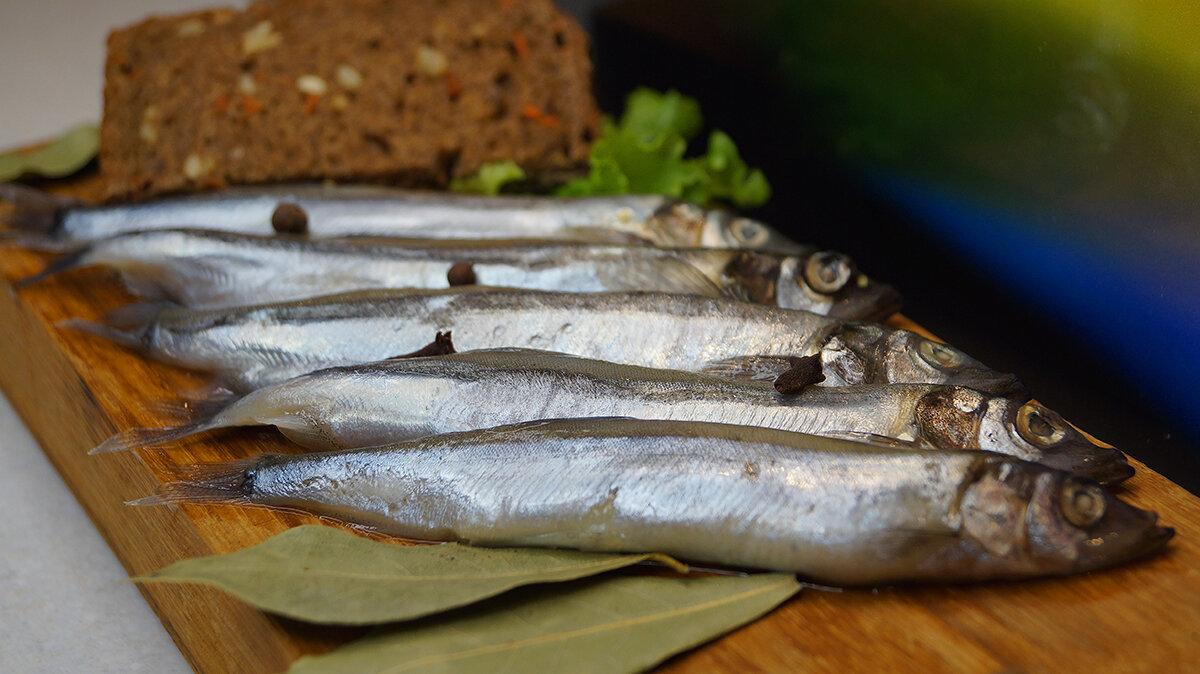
249, 347
834, 511
378, 403
337, 211
206, 268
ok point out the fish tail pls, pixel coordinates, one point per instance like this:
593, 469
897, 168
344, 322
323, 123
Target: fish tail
228, 482
67, 262
128, 326
198, 404
152, 438
33, 241
34, 211
120, 337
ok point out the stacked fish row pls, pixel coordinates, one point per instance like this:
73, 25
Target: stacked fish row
876, 456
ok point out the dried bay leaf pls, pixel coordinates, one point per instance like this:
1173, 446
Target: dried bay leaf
325, 575
66, 155
611, 624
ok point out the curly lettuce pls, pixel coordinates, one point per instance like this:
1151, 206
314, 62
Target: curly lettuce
644, 154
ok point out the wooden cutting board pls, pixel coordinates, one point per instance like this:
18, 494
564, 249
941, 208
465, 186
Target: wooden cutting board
74, 390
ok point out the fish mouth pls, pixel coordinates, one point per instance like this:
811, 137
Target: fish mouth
1152, 540
1000, 384
1129, 533
1158, 537
873, 303
1106, 466
1010, 386
1112, 473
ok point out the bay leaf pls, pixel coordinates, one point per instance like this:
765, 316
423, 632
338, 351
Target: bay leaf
598, 625
325, 575
66, 155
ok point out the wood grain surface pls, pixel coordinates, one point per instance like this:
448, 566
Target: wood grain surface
74, 390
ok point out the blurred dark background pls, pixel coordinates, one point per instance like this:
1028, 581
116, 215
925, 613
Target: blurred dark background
1025, 172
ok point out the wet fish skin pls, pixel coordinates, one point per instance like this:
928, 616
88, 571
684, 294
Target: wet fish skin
378, 211
257, 345
834, 511
207, 269
389, 401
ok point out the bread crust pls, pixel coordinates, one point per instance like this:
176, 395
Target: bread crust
405, 92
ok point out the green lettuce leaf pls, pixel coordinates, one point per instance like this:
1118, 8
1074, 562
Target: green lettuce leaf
489, 179
644, 154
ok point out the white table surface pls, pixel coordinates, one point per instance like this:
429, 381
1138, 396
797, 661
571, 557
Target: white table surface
66, 604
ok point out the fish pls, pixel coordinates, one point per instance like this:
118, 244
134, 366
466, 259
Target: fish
833, 511
340, 211
388, 401
257, 345
208, 268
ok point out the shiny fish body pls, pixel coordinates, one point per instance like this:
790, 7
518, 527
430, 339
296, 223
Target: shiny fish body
389, 401
206, 269
831, 510
377, 211
253, 346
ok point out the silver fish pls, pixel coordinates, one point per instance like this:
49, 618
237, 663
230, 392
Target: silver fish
207, 269
389, 401
832, 510
253, 346
336, 211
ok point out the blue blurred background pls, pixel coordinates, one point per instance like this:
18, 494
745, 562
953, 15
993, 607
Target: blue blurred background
1026, 171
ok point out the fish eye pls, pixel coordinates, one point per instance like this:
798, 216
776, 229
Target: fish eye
828, 272
748, 232
1039, 426
1083, 503
939, 355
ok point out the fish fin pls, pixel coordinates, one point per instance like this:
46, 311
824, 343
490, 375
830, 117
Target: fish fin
127, 326
189, 281
873, 439
64, 263
203, 413
152, 438
442, 345
228, 482
34, 241
197, 404
753, 368
310, 435
137, 315
34, 211
120, 337
148, 290
673, 275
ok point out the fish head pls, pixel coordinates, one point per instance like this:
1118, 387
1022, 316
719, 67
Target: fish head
1038, 434
685, 224
876, 354
954, 417
829, 283
1022, 519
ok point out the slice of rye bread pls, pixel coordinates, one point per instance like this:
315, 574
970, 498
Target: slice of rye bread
406, 92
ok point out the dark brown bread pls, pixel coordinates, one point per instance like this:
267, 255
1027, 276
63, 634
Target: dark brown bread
409, 92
